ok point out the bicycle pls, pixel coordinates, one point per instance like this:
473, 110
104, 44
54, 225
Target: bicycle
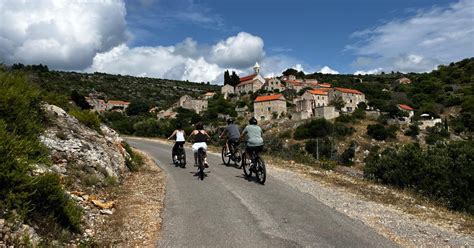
233, 153
180, 157
254, 164
200, 160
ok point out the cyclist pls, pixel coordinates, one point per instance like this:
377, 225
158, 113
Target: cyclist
232, 133
200, 137
253, 137
179, 140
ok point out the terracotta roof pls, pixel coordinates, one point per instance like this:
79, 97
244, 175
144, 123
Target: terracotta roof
268, 98
326, 85
209, 94
405, 107
117, 102
351, 91
247, 78
318, 92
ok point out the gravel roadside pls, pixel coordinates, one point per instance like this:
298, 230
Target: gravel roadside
136, 221
392, 221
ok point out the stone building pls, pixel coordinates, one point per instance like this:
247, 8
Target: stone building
267, 107
404, 80
407, 109
117, 105
227, 90
208, 95
272, 84
350, 97
314, 104
250, 83
188, 102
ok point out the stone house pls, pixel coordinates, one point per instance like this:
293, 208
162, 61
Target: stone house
272, 84
296, 85
266, 107
325, 112
117, 105
226, 90
404, 80
350, 97
188, 102
314, 103
208, 95
407, 109
97, 105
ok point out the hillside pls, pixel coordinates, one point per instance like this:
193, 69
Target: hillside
155, 92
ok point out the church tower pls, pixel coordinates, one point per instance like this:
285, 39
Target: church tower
256, 68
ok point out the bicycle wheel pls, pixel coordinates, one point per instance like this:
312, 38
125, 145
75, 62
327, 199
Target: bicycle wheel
246, 165
261, 171
201, 164
225, 157
183, 158
238, 157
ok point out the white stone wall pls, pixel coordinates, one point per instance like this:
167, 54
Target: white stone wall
351, 100
264, 110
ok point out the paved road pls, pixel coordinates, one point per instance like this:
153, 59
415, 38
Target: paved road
226, 210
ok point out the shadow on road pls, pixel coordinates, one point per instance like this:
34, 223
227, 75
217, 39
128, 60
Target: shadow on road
249, 179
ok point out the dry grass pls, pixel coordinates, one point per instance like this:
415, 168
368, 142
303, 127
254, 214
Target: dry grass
136, 221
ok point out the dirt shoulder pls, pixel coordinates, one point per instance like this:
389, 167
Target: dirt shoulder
407, 219
136, 220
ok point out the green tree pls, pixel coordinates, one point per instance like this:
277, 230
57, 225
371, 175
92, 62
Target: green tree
337, 102
79, 100
227, 79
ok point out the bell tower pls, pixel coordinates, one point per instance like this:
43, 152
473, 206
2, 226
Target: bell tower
256, 68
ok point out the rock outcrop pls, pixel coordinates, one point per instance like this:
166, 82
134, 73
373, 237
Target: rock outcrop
73, 145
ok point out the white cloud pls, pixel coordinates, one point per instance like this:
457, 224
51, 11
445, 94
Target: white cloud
92, 36
434, 36
327, 70
61, 34
158, 61
239, 51
373, 71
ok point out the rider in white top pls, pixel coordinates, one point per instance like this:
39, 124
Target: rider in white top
180, 139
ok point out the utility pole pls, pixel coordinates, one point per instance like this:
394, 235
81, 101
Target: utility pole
317, 149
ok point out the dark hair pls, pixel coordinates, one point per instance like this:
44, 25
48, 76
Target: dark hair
199, 126
230, 121
179, 125
253, 121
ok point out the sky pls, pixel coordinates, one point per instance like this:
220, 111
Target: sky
198, 40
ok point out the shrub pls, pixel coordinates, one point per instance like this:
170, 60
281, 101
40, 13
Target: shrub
413, 131
324, 147
348, 154
50, 199
321, 128
318, 128
443, 172
147, 128
379, 132
134, 161
21, 122
88, 118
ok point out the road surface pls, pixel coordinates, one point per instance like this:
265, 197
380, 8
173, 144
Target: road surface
227, 210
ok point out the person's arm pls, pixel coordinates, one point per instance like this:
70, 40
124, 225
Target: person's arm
205, 132
190, 136
242, 135
173, 134
222, 134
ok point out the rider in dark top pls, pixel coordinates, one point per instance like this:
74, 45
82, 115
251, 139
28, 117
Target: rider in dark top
200, 138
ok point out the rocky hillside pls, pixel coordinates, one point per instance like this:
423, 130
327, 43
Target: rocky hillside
54, 168
87, 162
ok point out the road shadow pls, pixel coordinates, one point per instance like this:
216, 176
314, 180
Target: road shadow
249, 179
